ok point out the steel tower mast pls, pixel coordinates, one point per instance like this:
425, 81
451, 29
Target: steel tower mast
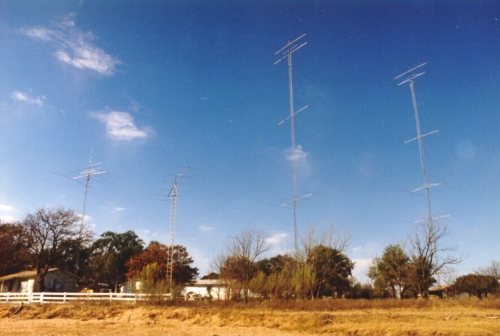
87, 173
286, 53
411, 77
173, 217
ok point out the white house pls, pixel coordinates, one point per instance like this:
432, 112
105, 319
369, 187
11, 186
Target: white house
55, 280
204, 289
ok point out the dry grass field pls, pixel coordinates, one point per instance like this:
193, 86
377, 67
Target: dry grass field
333, 317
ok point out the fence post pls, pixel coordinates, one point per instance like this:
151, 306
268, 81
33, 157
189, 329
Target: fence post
64, 297
41, 297
110, 296
30, 297
8, 294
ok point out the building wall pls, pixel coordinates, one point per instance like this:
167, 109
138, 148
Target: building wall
217, 293
55, 281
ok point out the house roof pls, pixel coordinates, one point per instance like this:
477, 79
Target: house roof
29, 274
201, 283
439, 288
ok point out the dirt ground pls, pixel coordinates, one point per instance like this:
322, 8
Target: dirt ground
58, 320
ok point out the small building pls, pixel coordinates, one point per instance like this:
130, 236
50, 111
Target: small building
55, 280
206, 289
442, 292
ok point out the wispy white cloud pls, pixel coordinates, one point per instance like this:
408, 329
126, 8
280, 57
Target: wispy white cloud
9, 219
119, 209
121, 126
356, 248
147, 235
299, 153
23, 96
74, 47
86, 218
277, 238
39, 33
135, 106
205, 228
6, 208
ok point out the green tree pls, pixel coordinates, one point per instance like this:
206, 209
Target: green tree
14, 249
274, 277
274, 264
151, 284
182, 272
110, 253
332, 270
476, 284
379, 285
48, 233
394, 271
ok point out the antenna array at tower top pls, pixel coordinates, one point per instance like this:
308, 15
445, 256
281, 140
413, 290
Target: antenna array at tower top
289, 48
412, 76
87, 172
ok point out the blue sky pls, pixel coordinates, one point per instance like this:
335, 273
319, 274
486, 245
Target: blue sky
154, 86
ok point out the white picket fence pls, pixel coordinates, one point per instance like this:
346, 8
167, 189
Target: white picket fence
49, 297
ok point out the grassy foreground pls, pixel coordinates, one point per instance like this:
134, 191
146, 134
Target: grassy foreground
332, 317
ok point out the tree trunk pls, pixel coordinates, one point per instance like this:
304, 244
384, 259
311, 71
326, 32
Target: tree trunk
40, 279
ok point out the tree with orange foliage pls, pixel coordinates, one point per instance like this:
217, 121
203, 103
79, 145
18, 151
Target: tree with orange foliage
182, 272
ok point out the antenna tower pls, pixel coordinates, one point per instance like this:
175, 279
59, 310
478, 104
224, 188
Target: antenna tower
173, 217
410, 79
87, 173
92, 169
286, 53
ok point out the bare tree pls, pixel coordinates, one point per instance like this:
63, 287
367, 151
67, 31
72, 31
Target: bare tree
237, 264
492, 270
429, 258
329, 236
49, 232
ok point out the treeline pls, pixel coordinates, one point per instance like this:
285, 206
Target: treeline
318, 267
59, 238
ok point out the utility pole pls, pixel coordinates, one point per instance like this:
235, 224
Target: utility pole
286, 53
173, 217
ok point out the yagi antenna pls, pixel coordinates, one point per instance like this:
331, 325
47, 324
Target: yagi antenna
411, 77
289, 202
286, 53
87, 172
173, 217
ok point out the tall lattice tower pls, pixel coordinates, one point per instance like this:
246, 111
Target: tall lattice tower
173, 218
